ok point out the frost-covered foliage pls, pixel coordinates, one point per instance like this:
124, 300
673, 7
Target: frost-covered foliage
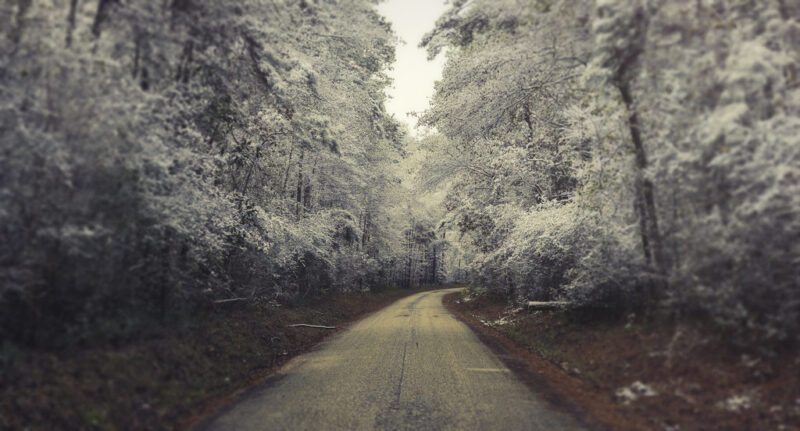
160, 156
627, 152
424, 251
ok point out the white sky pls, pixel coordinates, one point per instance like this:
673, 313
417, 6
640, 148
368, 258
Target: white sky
413, 74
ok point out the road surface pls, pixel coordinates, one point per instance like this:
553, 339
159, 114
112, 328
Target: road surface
410, 366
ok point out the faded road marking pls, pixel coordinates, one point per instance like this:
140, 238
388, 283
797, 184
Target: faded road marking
490, 370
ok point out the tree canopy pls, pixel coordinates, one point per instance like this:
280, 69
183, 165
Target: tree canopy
625, 153
160, 157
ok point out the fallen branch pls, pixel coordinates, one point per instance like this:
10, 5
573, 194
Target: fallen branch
222, 301
549, 305
306, 325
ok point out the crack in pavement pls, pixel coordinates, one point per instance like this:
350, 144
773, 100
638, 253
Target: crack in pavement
402, 373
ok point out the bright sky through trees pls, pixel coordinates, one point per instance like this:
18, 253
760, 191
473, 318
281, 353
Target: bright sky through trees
412, 73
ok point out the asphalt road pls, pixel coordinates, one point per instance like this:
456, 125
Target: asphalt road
410, 366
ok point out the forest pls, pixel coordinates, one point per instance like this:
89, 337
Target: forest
626, 155
158, 158
164, 165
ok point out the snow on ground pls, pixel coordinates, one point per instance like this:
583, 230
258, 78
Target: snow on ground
637, 389
736, 403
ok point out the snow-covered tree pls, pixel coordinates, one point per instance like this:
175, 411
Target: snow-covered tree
157, 156
672, 129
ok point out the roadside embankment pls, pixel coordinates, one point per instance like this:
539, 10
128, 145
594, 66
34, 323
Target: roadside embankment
170, 380
631, 372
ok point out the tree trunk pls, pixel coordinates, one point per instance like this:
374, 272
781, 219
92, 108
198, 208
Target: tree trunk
307, 193
165, 279
410, 261
651, 237
100, 16
641, 212
286, 172
365, 229
307, 187
435, 266
185, 66
22, 8
299, 190
137, 53
73, 6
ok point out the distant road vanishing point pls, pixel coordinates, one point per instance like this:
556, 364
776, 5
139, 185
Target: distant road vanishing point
410, 366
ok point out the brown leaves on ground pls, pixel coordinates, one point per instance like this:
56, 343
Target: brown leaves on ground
661, 373
172, 380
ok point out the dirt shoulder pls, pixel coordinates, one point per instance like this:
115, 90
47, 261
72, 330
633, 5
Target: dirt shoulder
176, 379
630, 374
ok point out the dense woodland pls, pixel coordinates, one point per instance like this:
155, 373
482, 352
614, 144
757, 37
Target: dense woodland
625, 153
158, 158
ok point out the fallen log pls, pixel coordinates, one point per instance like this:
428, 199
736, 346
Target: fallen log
548, 305
306, 325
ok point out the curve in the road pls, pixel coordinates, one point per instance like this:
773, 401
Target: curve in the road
410, 366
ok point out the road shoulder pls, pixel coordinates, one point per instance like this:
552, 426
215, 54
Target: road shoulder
562, 390
629, 371
176, 376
